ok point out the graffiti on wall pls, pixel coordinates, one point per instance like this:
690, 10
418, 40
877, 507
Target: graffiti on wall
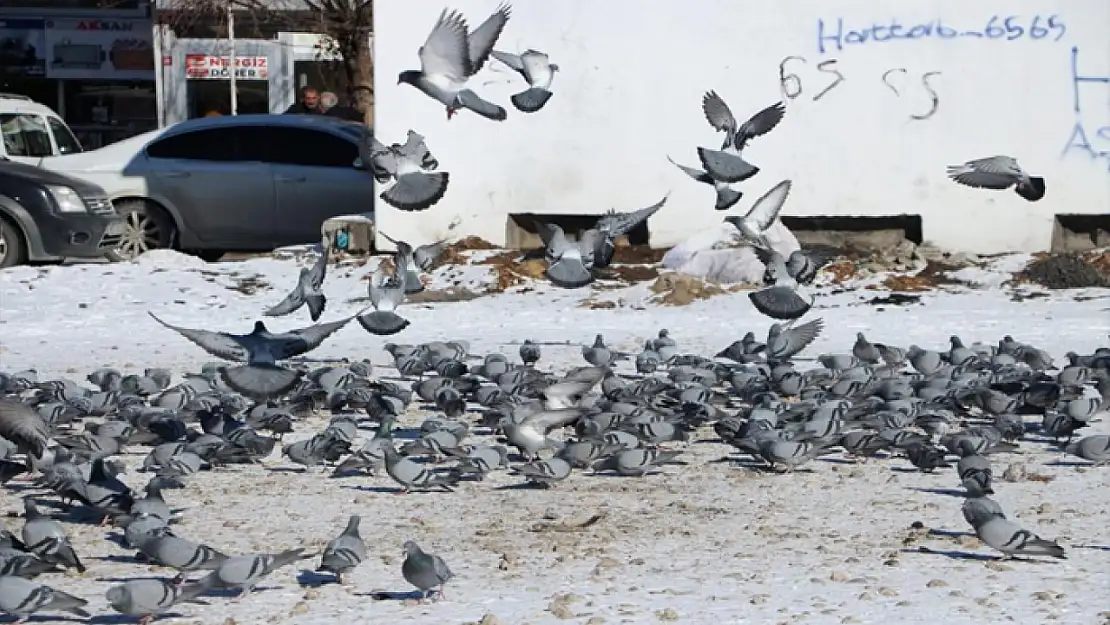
899, 80
833, 35
1091, 140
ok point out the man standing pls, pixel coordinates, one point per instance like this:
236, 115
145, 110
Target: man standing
329, 103
309, 104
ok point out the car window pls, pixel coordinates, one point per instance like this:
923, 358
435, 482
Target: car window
210, 144
309, 148
67, 143
25, 135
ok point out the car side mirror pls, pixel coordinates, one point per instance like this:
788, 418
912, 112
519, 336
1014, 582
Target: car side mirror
358, 164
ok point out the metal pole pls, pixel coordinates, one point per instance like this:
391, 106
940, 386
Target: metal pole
231, 59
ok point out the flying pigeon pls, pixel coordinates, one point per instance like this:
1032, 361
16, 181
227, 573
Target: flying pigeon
412, 277
785, 299
998, 172
451, 55
23, 597
761, 215
261, 349
344, 552
307, 290
726, 164
566, 261
783, 344
387, 291
424, 570
535, 67
415, 189
727, 196
612, 225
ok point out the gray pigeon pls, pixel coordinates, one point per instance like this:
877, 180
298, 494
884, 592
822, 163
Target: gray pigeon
975, 475
181, 555
261, 349
46, 538
415, 188
998, 172
413, 284
727, 194
413, 476
783, 344
1095, 448
23, 426
245, 572
451, 55
529, 353
612, 225
635, 462
785, 299
147, 598
761, 215
598, 354
543, 472
22, 598
344, 552
726, 164
1008, 537
566, 263
426, 255
537, 69
387, 292
307, 291
424, 570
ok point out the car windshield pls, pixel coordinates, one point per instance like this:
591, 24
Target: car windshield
25, 135
63, 136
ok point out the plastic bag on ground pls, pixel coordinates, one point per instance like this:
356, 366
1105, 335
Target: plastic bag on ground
707, 254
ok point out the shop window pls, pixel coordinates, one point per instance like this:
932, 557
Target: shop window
309, 148
25, 135
213, 97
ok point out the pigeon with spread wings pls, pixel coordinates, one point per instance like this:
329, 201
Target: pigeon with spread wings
726, 164
260, 350
784, 298
998, 172
613, 225
753, 226
727, 195
538, 70
307, 291
451, 55
415, 189
387, 292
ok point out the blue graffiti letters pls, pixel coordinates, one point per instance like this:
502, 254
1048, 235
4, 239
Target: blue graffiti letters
1007, 28
1094, 144
1078, 79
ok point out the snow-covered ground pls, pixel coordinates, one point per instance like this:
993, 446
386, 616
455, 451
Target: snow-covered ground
706, 542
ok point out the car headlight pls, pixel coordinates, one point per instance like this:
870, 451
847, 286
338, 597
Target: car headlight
66, 200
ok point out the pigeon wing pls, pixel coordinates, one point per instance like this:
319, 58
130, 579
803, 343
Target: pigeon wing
547, 232
696, 174
319, 269
302, 340
292, 301
766, 209
416, 149
426, 255
717, 113
445, 51
779, 302
219, 344
547, 420
21, 424
760, 124
480, 42
626, 222
994, 172
417, 191
801, 336
509, 59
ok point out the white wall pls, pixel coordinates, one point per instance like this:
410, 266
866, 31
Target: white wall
630, 92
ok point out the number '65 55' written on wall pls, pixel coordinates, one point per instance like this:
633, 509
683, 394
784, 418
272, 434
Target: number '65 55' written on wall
834, 35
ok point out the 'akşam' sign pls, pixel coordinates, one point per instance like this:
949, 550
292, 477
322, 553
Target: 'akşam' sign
208, 67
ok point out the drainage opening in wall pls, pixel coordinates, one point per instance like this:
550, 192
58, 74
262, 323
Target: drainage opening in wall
520, 229
1079, 233
863, 233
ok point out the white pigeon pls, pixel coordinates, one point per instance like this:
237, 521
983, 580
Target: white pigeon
762, 214
451, 55
537, 69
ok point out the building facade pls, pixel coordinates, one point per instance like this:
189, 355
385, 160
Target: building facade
880, 97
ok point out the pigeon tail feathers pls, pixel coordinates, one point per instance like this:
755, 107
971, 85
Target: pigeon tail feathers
383, 322
260, 381
530, 100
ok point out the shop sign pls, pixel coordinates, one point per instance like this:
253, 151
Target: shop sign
210, 67
99, 49
23, 47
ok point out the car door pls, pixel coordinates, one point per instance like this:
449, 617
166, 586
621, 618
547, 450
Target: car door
26, 138
215, 179
315, 179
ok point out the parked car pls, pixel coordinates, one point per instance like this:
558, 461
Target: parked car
47, 216
31, 131
230, 183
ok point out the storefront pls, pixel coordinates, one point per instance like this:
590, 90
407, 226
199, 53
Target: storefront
97, 73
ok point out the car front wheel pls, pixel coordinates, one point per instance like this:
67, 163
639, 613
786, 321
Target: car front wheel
147, 228
12, 249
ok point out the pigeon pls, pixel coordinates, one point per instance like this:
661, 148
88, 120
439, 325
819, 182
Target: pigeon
785, 299
537, 69
387, 291
544, 472
529, 353
1095, 448
413, 283
975, 475
926, 458
762, 214
451, 55
307, 291
530, 435
244, 572
782, 344
998, 172
635, 462
46, 538
424, 570
415, 189
261, 377
1002, 534
727, 194
344, 552
413, 476
613, 225
147, 598
726, 164
181, 555
566, 263
22, 598
23, 426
